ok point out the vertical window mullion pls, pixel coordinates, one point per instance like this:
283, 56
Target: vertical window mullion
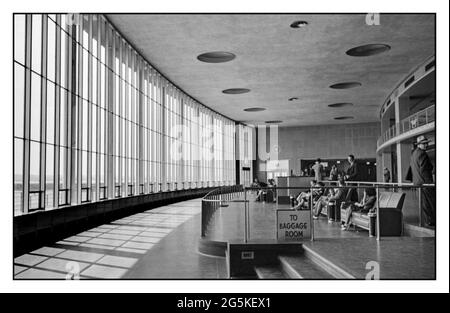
139, 103
120, 178
79, 93
128, 118
43, 110
149, 132
163, 141
27, 112
133, 119
110, 92
98, 124
90, 105
57, 111
71, 113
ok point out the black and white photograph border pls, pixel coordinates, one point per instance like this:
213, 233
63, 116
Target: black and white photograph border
226, 147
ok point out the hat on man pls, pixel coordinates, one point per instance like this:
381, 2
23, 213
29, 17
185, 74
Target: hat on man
422, 139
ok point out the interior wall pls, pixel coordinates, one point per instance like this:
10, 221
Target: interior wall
326, 141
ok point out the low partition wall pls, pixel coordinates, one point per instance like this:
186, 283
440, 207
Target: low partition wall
43, 227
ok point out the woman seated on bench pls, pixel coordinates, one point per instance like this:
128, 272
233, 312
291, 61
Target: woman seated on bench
334, 195
366, 205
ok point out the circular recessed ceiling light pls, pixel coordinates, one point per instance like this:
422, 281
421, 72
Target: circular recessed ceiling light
235, 91
340, 104
344, 118
216, 57
273, 122
368, 50
346, 85
293, 99
254, 109
299, 24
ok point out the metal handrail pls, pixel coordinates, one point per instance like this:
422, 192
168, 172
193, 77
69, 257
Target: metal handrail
379, 184
413, 121
215, 199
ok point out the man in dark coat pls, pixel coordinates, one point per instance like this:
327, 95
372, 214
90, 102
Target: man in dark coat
421, 172
351, 174
387, 175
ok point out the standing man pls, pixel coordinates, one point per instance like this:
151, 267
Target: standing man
333, 173
421, 172
352, 171
351, 174
387, 175
318, 170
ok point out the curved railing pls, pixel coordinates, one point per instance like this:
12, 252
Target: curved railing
215, 199
412, 122
422, 70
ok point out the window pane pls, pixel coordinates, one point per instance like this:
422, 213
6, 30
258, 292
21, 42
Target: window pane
19, 38
84, 161
86, 57
35, 106
36, 39
85, 124
19, 94
51, 42
18, 176
63, 118
49, 176
34, 165
63, 167
63, 66
50, 112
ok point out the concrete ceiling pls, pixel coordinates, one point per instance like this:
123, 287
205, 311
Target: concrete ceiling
278, 62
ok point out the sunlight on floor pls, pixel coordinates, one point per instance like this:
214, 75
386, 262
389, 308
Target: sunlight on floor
107, 251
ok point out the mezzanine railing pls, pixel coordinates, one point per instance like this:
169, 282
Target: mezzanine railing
409, 123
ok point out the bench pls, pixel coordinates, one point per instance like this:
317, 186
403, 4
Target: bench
390, 215
333, 209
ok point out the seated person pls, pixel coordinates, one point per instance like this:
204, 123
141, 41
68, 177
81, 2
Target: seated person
366, 205
260, 191
317, 191
273, 185
255, 183
301, 198
336, 194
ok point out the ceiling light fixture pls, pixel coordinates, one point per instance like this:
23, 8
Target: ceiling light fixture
293, 99
346, 85
339, 118
273, 122
340, 104
299, 24
254, 109
235, 91
368, 50
216, 57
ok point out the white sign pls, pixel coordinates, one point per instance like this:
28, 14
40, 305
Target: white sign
277, 165
293, 225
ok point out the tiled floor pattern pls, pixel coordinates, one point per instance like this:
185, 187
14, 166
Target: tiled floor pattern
110, 250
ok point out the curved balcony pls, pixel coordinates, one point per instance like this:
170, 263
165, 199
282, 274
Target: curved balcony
414, 125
